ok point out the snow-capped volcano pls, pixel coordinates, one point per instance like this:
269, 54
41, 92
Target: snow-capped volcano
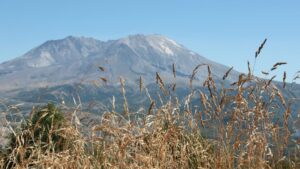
76, 59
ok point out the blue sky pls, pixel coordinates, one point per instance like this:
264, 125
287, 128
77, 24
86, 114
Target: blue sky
227, 32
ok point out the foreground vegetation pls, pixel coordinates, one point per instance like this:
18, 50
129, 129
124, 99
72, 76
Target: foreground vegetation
243, 125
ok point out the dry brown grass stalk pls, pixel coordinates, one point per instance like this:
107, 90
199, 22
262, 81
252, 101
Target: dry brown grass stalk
194, 73
260, 48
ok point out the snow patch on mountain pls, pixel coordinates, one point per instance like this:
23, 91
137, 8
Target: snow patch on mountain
192, 53
44, 60
162, 46
166, 49
174, 43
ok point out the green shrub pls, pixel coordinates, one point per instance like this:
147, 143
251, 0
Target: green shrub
41, 131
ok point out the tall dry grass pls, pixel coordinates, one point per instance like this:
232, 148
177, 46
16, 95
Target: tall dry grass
243, 125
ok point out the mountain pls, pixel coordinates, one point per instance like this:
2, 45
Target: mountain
61, 70
76, 59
